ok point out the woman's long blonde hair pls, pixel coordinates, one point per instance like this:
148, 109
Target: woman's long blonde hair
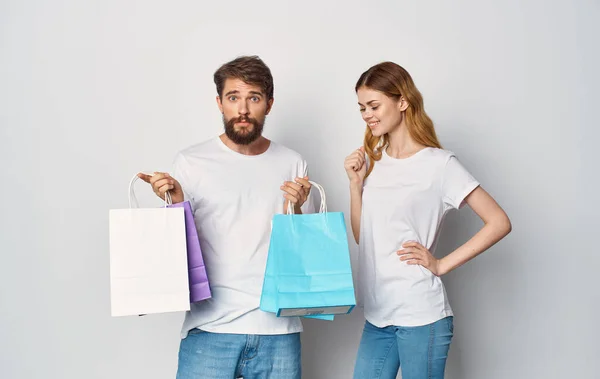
395, 82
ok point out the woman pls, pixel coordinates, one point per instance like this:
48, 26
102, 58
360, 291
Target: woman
399, 196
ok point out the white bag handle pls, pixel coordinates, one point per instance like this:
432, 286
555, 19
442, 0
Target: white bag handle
133, 199
322, 208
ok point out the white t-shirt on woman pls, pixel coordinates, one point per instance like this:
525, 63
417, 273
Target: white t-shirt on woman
406, 200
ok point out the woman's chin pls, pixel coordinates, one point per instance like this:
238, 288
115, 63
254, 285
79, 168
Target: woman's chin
377, 132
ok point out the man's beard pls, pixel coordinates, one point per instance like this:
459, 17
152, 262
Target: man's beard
243, 138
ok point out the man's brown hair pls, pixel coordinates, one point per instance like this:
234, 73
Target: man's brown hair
250, 69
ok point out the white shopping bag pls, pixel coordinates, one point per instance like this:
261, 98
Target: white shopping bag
148, 259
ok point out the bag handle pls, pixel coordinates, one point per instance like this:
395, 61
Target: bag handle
133, 199
322, 208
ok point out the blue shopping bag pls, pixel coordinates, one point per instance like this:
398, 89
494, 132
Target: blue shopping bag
308, 270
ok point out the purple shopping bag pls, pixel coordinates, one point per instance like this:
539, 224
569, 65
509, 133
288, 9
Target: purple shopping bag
198, 280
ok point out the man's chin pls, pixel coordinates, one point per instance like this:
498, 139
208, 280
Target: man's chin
243, 138
243, 133
244, 130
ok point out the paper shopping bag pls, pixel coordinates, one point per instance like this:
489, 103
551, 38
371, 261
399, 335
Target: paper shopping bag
198, 279
308, 270
148, 260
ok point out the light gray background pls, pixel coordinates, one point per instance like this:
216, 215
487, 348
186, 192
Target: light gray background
93, 91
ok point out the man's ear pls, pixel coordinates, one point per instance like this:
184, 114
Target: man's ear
219, 104
269, 105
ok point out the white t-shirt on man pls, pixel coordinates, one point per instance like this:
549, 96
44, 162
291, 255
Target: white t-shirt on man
406, 200
234, 197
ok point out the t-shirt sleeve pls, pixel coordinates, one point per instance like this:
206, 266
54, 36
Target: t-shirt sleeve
457, 183
181, 174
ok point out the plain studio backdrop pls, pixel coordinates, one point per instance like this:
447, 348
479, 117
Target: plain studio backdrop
92, 92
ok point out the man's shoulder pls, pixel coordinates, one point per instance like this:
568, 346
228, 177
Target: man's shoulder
284, 152
201, 148
198, 152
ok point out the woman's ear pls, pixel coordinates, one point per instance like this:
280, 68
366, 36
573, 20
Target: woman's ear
402, 104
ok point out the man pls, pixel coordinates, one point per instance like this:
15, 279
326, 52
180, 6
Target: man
236, 183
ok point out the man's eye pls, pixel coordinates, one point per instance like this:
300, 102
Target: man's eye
232, 98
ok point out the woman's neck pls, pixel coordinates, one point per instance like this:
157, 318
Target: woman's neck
401, 144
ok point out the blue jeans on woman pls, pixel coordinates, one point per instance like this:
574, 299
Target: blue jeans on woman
419, 351
204, 355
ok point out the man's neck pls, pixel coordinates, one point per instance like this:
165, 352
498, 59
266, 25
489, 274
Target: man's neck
255, 148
